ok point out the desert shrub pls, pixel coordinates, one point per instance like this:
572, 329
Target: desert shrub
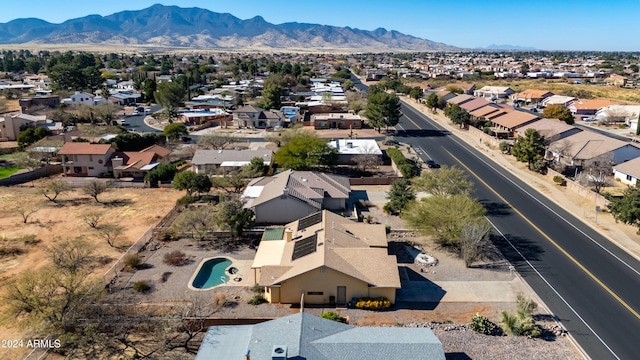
209, 198
175, 258
257, 289
257, 300
132, 261
165, 276
331, 315
559, 180
387, 229
166, 235
141, 286
483, 325
505, 147
186, 200
522, 323
379, 303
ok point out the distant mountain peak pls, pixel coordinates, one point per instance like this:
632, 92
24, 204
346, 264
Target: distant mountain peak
172, 26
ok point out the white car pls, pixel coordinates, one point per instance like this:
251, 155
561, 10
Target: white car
135, 113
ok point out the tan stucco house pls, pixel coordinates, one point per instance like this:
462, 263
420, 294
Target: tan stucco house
85, 159
291, 195
327, 258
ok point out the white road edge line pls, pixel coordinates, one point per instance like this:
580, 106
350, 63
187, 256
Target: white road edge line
466, 146
553, 289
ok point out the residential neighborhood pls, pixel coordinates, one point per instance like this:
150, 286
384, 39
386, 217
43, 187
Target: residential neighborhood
259, 197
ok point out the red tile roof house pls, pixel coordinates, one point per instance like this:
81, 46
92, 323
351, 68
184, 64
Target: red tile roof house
136, 164
85, 159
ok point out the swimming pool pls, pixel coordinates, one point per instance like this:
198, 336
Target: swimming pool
211, 272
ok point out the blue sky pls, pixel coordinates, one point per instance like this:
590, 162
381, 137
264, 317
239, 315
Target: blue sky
543, 24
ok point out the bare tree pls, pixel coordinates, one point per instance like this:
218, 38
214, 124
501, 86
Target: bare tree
367, 160
27, 161
197, 221
94, 188
216, 141
71, 255
110, 232
25, 210
473, 240
92, 218
597, 172
615, 113
53, 188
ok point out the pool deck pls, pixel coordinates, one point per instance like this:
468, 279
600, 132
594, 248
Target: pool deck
176, 287
244, 274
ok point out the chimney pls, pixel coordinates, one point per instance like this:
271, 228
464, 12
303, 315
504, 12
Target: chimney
116, 161
288, 234
279, 352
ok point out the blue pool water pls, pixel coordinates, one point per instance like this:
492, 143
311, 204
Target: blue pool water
212, 273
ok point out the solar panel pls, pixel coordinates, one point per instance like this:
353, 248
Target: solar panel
304, 247
310, 220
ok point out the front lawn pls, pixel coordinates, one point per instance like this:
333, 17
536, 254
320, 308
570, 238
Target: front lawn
8, 171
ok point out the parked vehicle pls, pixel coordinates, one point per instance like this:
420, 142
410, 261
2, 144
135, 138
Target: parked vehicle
432, 164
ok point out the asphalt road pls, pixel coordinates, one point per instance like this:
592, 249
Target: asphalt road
136, 123
583, 278
590, 284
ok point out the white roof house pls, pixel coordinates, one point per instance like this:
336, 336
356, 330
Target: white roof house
558, 100
355, 146
628, 172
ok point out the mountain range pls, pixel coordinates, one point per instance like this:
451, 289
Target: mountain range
172, 26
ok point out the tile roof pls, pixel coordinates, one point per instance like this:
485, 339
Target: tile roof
592, 104
514, 119
461, 99
532, 94
485, 110
474, 104
305, 336
85, 148
354, 249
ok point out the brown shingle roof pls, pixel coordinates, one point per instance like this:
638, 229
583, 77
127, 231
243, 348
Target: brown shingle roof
474, 104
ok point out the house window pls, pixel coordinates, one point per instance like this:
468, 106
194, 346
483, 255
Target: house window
90, 157
629, 178
75, 157
90, 167
100, 161
315, 293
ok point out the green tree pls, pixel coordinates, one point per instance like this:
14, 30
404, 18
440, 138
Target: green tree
192, 182
306, 152
348, 85
170, 94
432, 101
257, 166
415, 93
529, 148
233, 217
399, 195
556, 111
149, 87
449, 180
175, 131
457, 115
383, 109
162, 172
626, 209
271, 95
443, 217
104, 92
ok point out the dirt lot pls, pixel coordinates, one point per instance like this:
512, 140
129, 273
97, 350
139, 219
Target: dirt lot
134, 209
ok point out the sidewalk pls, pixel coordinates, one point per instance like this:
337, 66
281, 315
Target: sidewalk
624, 236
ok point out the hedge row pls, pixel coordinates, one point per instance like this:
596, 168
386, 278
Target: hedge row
406, 167
379, 303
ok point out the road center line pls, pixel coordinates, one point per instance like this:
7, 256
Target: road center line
553, 242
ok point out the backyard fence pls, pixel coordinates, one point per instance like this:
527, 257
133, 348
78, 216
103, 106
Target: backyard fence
22, 178
111, 276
